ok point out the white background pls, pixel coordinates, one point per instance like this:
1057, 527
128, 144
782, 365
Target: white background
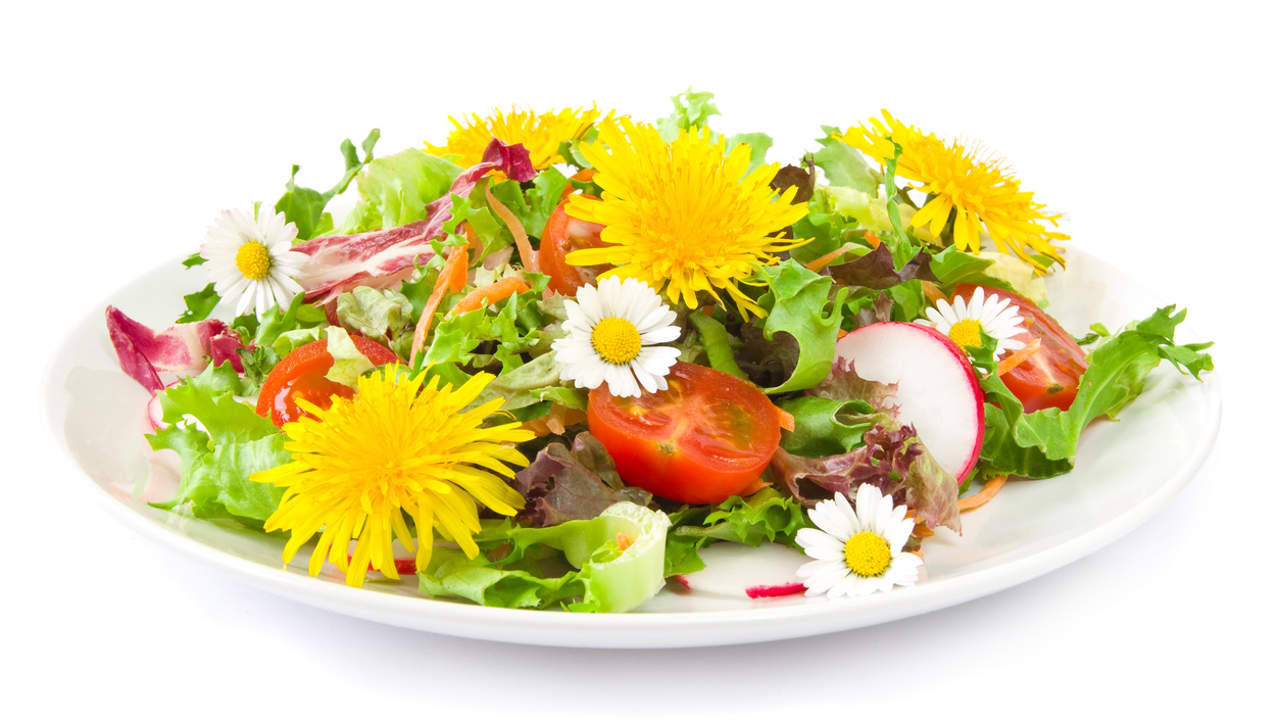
1154, 128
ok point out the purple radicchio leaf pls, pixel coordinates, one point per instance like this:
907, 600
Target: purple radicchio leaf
575, 483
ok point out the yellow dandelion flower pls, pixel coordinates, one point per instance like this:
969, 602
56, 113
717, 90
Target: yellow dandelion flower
976, 195
396, 449
683, 216
541, 135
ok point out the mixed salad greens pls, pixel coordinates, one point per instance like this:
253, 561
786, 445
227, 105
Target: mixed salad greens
545, 364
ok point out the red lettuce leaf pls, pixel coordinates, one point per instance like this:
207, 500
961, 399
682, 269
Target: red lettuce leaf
575, 483
894, 460
875, 270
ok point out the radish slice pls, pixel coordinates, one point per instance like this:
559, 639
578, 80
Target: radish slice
937, 393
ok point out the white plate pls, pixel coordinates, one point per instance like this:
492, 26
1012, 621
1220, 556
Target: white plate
1125, 472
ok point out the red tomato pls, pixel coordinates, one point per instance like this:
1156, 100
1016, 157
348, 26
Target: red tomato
1050, 377
300, 375
705, 438
562, 236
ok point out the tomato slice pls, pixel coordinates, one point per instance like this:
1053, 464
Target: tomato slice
563, 235
1050, 377
301, 376
705, 438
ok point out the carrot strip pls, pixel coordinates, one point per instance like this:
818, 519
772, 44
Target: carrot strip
453, 276
786, 420
493, 293
822, 261
527, 256
584, 175
872, 238
1016, 358
977, 500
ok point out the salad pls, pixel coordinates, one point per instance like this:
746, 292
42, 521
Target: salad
546, 362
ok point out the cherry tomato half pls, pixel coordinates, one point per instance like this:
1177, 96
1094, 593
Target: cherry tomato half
300, 375
1050, 377
705, 438
562, 236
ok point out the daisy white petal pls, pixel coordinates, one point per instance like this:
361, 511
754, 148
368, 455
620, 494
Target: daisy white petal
857, 549
613, 334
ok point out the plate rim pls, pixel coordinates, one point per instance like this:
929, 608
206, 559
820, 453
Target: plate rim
635, 630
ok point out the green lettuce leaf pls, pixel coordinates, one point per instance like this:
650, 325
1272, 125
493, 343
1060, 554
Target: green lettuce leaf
1043, 443
378, 314
396, 189
348, 362
765, 516
199, 304
692, 109
533, 205
276, 334
507, 330
601, 576
304, 207
843, 166
797, 302
221, 442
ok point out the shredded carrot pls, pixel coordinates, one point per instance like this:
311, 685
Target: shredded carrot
872, 238
786, 420
1015, 359
527, 256
822, 261
473, 240
932, 292
623, 541
841, 332
492, 293
923, 530
453, 277
977, 500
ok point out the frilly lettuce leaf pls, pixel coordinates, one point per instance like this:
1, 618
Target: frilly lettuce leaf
1043, 443
348, 362
692, 109
506, 330
395, 190
374, 313
304, 207
601, 575
577, 483
893, 459
221, 442
798, 304
278, 332
765, 516
843, 166
533, 205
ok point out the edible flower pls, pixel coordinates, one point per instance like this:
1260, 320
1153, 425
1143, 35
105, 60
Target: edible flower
965, 322
857, 553
398, 449
614, 334
251, 262
685, 217
540, 134
972, 195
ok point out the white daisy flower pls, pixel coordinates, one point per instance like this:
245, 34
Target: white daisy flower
965, 322
251, 263
614, 335
857, 553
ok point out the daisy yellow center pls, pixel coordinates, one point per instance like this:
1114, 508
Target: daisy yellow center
253, 260
689, 217
967, 333
867, 554
616, 340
